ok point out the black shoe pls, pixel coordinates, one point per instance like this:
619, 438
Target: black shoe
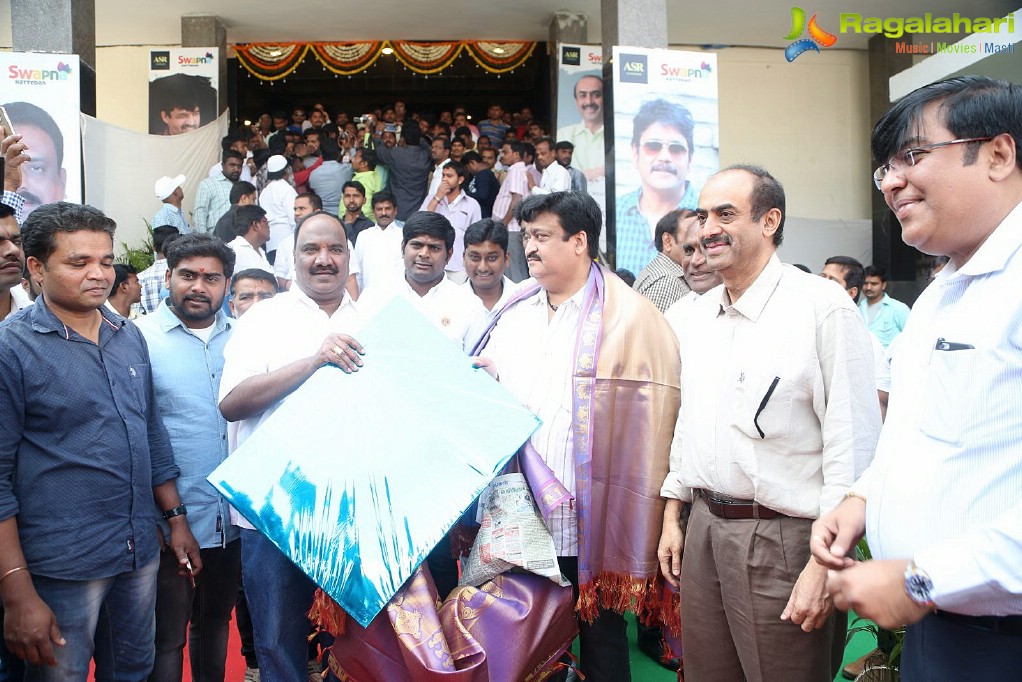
657, 651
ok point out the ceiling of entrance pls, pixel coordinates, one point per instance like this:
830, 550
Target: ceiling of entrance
759, 23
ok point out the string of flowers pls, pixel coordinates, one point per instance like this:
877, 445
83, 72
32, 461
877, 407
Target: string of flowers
275, 61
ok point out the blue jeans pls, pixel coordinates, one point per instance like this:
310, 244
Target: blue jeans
279, 598
124, 650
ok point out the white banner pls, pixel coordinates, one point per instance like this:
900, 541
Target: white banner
121, 167
183, 83
666, 142
42, 96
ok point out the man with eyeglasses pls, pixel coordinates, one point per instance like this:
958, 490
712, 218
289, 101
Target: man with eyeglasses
662, 148
941, 505
779, 414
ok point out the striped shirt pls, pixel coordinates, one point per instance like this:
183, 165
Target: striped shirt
211, 202
946, 486
662, 282
534, 357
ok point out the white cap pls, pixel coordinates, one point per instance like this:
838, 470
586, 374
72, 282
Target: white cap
165, 186
276, 163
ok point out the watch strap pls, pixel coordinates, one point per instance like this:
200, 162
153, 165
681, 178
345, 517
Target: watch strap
179, 510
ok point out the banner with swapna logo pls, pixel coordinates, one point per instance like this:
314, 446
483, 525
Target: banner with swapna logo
41, 93
183, 83
666, 142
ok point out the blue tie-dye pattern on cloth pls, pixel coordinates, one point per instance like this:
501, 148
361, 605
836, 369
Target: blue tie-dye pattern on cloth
357, 477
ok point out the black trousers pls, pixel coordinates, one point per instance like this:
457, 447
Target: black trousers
937, 650
603, 644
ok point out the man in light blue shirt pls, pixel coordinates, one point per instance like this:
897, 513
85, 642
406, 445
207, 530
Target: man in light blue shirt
885, 316
186, 338
169, 191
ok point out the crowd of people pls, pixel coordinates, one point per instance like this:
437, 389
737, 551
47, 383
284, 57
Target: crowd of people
728, 424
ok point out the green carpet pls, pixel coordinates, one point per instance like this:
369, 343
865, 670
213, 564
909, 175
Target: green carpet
644, 669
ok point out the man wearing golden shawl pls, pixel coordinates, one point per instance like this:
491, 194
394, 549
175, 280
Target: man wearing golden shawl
599, 365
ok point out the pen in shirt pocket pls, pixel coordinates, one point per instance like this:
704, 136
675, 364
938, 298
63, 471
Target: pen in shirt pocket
944, 344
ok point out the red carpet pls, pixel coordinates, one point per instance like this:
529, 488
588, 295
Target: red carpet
235, 671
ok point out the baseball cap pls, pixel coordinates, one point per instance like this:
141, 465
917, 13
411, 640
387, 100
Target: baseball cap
165, 186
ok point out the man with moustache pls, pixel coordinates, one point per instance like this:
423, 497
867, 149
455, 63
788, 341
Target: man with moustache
941, 505
663, 280
662, 147
378, 252
186, 338
249, 287
275, 347
587, 134
86, 466
12, 265
580, 348
778, 417
43, 177
427, 244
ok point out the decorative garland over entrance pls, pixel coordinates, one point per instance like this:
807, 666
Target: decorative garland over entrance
275, 61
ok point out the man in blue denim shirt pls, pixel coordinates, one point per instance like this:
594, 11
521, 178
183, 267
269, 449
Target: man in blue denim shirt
186, 337
83, 454
662, 146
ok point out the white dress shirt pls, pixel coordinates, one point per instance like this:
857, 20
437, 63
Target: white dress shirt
378, 256
288, 327
534, 357
438, 177
483, 316
946, 486
278, 200
247, 256
556, 178
447, 305
19, 299
822, 418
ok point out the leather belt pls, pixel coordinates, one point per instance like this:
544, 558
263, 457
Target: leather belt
996, 625
731, 508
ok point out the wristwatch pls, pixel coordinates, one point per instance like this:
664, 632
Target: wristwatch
918, 585
179, 510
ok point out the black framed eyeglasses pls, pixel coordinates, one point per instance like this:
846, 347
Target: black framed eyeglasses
910, 157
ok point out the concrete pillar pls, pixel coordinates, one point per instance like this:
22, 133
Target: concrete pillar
888, 248
206, 31
635, 23
565, 27
59, 26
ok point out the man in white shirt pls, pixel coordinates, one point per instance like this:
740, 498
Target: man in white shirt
278, 198
253, 230
941, 504
486, 260
426, 247
779, 415
459, 208
275, 347
597, 363
556, 177
378, 251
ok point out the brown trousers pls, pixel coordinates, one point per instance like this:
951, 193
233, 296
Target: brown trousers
736, 578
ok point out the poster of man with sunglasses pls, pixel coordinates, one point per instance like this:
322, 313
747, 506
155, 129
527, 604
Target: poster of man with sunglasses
665, 134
